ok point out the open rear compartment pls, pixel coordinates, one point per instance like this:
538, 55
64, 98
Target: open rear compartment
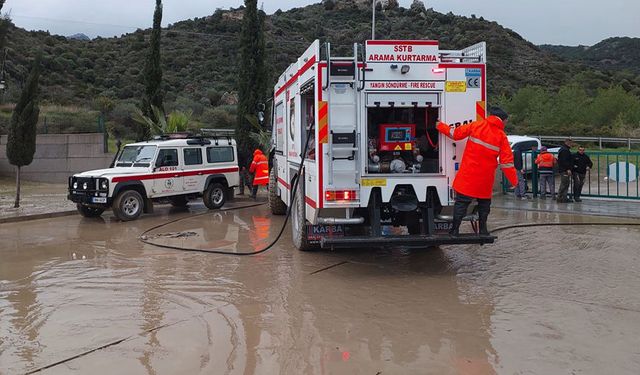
403, 140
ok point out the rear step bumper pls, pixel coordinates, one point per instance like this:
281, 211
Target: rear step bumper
408, 240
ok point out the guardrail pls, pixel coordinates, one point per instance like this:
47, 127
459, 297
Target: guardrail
614, 175
595, 140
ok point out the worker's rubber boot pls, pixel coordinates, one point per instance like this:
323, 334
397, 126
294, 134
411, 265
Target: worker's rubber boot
459, 210
484, 231
455, 229
483, 216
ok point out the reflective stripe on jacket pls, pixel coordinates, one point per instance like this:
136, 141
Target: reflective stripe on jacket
260, 167
486, 143
545, 162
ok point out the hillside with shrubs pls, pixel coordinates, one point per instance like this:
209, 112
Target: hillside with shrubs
84, 80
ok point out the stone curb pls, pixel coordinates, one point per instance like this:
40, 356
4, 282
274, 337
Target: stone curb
49, 215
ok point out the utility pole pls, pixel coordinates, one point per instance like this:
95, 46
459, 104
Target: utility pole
373, 21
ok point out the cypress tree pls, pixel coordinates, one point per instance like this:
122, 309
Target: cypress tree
153, 96
21, 143
5, 21
252, 74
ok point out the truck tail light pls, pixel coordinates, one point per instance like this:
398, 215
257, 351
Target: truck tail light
341, 195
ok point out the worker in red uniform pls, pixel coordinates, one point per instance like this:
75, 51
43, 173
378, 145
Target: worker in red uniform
260, 168
485, 144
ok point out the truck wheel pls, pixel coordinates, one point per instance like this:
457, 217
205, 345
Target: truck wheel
179, 201
275, 203
214, 197
299, 222
88, 211
128, 205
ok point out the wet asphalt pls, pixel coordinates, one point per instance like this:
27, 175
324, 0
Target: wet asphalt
85, 296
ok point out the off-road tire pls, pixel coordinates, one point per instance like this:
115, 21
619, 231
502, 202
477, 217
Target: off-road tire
215, 196
179, 201
276, 204
88, 211
299, 223
128, 205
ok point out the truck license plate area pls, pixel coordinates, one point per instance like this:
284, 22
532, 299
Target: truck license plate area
99, 200
443, 226
316, 232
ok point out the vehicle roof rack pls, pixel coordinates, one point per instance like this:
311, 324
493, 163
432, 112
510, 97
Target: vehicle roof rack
216, 134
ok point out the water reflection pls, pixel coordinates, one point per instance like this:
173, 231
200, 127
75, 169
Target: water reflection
235, 231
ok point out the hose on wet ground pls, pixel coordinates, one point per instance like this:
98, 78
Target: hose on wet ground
568, 224
294, 188
288, 215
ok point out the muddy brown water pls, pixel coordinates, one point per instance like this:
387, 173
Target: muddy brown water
549, 300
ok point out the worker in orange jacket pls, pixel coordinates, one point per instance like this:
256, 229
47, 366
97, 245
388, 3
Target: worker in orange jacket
545, 162
486, 143
260, 168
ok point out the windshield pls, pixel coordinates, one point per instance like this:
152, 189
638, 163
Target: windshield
136, 156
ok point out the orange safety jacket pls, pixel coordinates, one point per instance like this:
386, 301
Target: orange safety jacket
260, 166
486, 143
545, 162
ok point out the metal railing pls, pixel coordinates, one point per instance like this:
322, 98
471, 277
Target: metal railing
628, 142
614, 175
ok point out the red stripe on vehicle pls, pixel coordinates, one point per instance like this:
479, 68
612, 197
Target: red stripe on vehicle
320, 174
320, 66
157, 176
295, 77
320, 145
284, 183
310, 202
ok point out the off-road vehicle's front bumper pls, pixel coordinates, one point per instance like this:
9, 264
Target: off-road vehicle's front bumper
89, 191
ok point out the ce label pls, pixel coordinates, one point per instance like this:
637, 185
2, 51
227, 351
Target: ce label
473, 82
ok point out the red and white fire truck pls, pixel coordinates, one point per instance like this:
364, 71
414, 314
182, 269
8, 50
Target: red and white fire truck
375, 171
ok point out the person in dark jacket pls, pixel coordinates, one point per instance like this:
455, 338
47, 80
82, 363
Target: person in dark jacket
581, 164
565, 168
245, 177
520, 190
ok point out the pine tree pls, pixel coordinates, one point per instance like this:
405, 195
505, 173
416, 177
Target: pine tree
252, 75
21, 143
153, 96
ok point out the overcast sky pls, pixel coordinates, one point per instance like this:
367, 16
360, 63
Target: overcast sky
569, 22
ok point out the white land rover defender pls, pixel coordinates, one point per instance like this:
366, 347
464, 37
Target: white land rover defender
163, 169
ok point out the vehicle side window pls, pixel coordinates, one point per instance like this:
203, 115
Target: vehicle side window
192, 156
527, 145
219, 154
530, 144
167, 158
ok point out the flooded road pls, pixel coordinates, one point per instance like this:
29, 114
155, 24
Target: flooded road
548, 300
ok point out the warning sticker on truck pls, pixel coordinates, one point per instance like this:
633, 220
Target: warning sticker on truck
456, 86
374, 182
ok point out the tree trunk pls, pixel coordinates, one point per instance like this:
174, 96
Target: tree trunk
17, 204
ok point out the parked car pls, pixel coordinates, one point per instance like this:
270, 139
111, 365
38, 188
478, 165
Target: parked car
177, 170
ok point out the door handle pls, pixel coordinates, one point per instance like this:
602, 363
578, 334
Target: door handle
176, 175
200, 174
